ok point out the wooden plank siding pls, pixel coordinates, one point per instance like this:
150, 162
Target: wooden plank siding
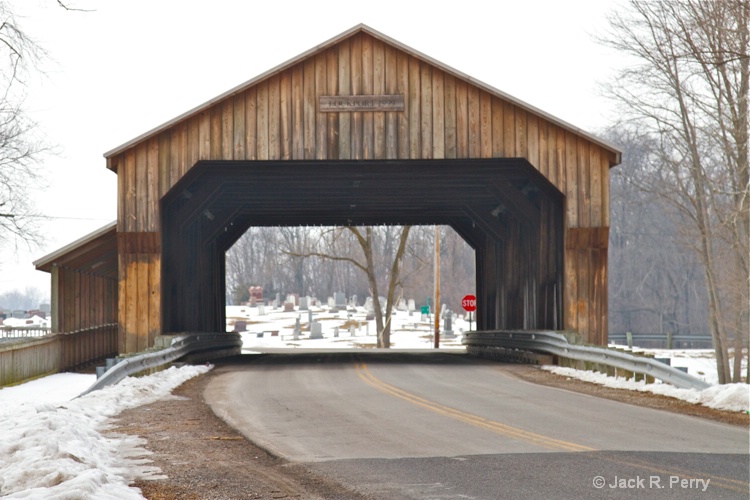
445, 116
85, 316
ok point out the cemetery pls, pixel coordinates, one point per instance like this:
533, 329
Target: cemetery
299, 322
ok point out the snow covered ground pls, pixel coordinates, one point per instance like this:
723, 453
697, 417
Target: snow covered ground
275, 328
52, 444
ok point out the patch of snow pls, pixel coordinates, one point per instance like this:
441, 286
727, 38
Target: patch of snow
729, 397
52, 446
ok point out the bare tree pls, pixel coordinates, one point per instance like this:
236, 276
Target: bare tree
688, 89
376, 252
655, 283
382, 319
28, 299
20, 146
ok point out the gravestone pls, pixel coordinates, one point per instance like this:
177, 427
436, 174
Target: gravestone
448, 332
316, 330
261, 310
401, 305
340, 300
296, 329
369, 309
303, 303
240, 326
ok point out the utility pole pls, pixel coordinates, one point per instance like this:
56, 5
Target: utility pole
437, 287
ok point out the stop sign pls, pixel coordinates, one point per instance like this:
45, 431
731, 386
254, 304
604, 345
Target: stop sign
469, 303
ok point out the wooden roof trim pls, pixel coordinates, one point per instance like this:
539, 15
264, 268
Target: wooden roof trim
45, 263
616, 153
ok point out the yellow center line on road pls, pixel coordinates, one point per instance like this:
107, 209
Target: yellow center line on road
475, 420
541, 440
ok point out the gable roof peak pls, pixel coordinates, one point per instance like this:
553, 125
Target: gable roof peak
363, 28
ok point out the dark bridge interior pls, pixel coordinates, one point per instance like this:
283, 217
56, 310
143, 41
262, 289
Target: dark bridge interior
506, 210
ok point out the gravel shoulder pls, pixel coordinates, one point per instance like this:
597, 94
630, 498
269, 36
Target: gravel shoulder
203, 458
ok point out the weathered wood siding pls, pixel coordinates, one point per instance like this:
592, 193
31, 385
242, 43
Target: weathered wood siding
84, 313
82, 301
444, 117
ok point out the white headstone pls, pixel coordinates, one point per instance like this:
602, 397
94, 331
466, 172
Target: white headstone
316, 330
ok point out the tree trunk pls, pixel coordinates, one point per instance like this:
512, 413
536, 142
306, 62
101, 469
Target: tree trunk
382, 319
393, 284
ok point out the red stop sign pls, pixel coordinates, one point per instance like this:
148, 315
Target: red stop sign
469, 303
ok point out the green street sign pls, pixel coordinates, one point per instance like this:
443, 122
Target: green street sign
425, 309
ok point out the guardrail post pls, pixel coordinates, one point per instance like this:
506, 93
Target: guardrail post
629, 337
669, 340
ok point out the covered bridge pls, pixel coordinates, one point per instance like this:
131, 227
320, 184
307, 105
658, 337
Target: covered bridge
338, 136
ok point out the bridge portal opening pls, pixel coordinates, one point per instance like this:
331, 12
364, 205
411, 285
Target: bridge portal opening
275, 275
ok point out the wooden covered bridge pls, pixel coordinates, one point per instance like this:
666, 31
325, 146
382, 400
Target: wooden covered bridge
361, 130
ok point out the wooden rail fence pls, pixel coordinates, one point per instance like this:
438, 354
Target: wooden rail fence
29, 358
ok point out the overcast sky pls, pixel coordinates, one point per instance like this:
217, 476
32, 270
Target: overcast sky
130, 65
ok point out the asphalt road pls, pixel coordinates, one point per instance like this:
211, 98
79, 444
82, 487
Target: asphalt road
437, 425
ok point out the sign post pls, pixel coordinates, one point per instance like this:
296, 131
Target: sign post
437, 287
469, 303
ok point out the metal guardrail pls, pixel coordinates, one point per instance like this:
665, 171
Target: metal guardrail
557, 344
182, 345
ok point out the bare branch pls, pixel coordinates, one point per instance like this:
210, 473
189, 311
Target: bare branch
66, 7
327, 256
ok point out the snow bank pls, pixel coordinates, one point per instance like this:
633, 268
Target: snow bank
729, 397
57, 450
